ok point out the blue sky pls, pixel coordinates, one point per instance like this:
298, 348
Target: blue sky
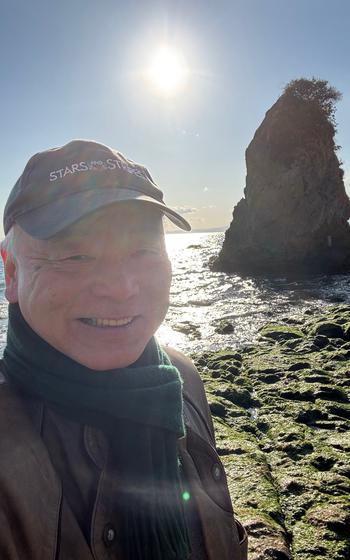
74, 69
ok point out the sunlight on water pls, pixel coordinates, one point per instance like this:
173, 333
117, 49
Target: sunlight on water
200, 298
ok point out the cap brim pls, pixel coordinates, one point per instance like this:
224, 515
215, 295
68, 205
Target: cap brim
48, 220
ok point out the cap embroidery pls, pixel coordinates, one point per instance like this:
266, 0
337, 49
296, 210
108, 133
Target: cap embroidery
101, 165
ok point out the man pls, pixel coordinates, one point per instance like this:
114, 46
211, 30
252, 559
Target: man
106, 446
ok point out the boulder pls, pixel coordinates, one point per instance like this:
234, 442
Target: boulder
329, 329
224, 327
293, 218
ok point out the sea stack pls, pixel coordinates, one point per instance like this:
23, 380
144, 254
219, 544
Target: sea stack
293, 218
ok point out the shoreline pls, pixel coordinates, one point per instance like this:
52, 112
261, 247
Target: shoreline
282, 419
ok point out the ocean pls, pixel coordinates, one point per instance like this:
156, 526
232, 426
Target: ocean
201, 298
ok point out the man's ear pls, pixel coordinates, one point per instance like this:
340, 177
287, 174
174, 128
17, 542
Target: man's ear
11, 281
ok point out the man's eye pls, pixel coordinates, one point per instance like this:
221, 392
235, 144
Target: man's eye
76, 258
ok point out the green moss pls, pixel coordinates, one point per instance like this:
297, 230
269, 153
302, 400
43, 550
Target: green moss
315, 542
281, 332
282, 429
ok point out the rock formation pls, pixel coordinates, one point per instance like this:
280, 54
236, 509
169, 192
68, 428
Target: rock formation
293, 217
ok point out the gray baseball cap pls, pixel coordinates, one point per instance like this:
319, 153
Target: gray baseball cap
60, 186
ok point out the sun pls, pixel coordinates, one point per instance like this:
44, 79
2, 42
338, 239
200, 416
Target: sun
168, 71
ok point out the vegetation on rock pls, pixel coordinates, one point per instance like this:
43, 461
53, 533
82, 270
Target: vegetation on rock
316, 92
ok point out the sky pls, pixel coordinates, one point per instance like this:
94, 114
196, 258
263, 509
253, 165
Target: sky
78, 69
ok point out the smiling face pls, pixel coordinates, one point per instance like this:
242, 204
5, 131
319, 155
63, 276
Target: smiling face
98, 291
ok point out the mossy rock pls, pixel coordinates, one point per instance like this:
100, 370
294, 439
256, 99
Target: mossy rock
313, 542
346, 329
331, 394
239, 396
299, 365
224, 327
281, 332
331, 330
321, 341
188, 328
218, 407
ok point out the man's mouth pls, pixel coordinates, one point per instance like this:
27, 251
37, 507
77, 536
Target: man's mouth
106, 323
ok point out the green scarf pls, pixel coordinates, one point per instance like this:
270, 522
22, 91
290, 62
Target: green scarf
140, 409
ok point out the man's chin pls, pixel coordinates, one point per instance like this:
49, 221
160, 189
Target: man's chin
103, 363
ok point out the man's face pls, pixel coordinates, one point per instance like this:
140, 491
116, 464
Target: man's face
98, 291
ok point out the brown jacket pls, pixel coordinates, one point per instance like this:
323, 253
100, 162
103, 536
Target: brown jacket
36, 522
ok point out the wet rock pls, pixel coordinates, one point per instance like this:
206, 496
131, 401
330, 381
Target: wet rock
299, 365
322, 463
306, 347
292, 486
233, 369
291, 321
293, 343
280, 332
218, 372
263, 426
310, 416
218, 409
224, 327
331, 330
309, 311
186, 327
347, 331
305, 395
199, 302
227, 355
263, 371
321, 341
333, 516
341, 355
342, 411
270, 378
296, 452
316, 379
241, 397
331, 394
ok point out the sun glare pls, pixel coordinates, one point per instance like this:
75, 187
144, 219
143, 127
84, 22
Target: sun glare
168, 71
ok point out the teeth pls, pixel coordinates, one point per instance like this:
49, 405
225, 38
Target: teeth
107, 322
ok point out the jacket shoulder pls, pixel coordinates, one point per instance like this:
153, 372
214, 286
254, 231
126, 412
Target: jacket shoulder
15, 414
196, 409
8, 400
189, 373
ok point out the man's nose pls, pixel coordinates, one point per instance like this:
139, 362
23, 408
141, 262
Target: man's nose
115, 280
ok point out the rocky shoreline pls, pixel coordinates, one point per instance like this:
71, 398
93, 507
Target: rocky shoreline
282, 417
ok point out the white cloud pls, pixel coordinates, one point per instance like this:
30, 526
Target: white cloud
185, 210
